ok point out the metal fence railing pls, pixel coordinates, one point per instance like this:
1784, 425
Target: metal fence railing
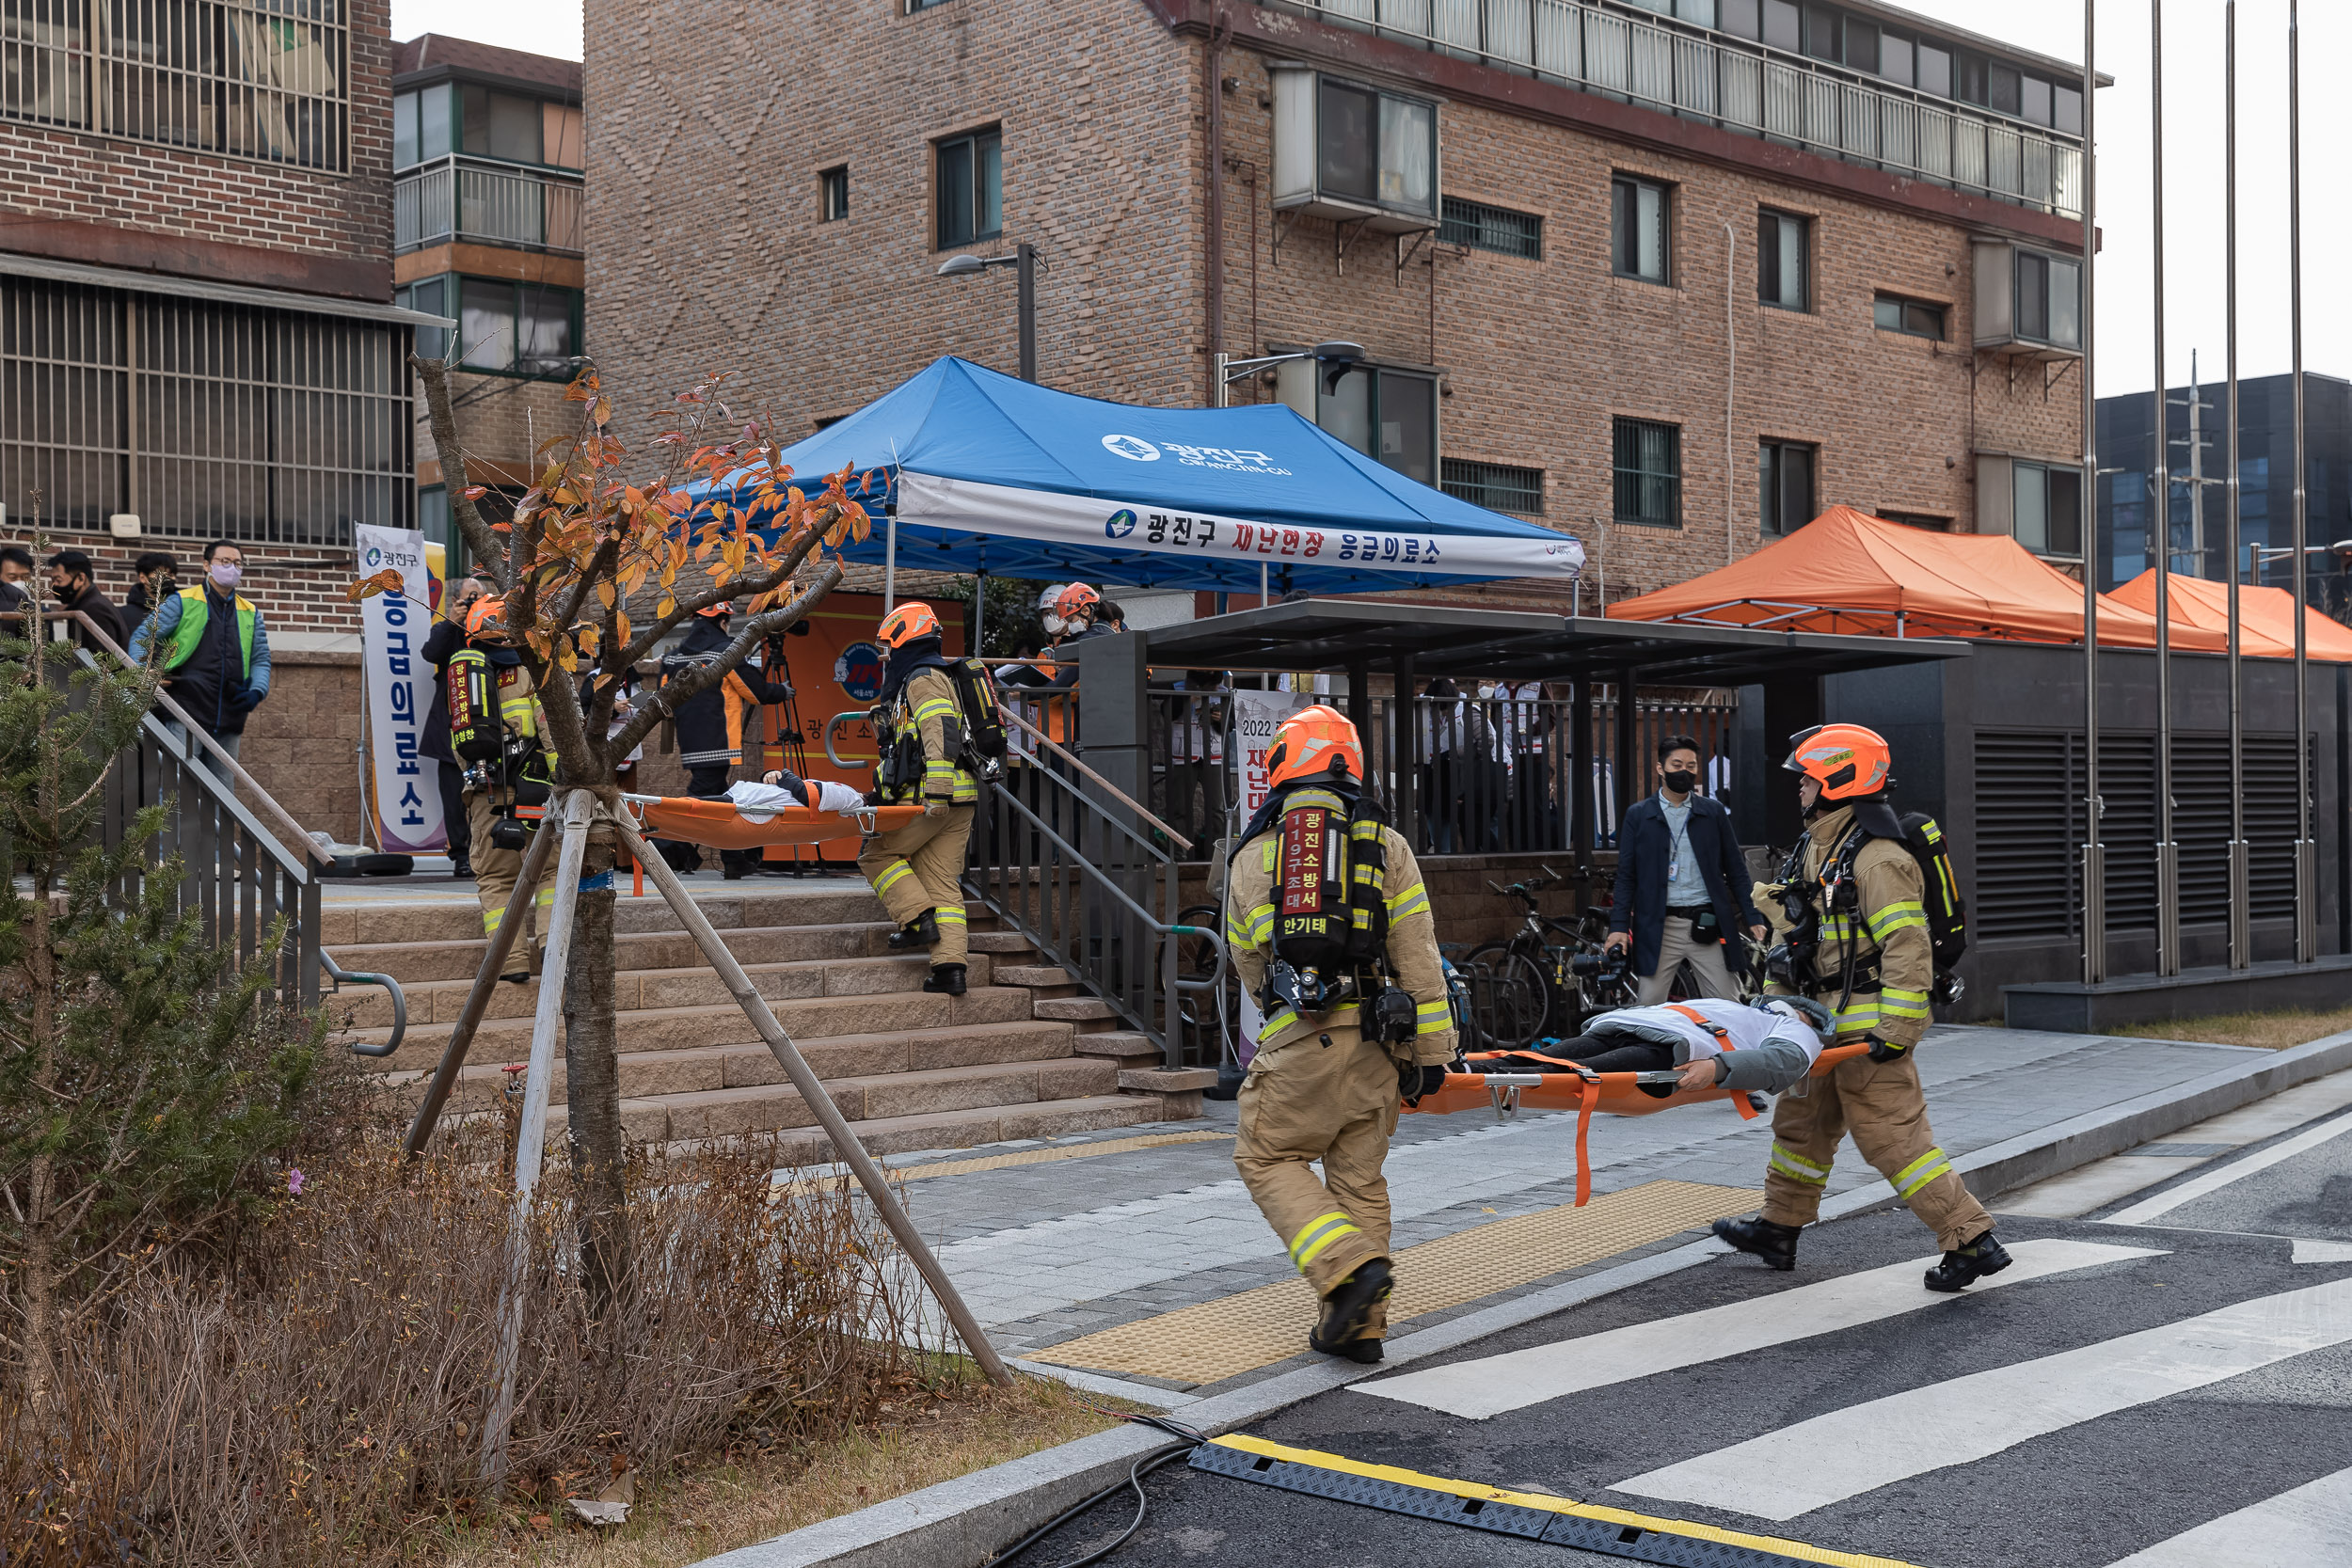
1488, 775
1699, 73
466, 199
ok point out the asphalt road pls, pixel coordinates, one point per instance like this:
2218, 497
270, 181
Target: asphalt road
2123, 1388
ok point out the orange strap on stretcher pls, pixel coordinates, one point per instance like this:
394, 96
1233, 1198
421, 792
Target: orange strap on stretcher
1722, 1042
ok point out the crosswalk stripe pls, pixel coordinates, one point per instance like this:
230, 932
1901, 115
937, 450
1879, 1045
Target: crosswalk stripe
1496, 1383
2221, 1176
2311, 1524
1784, 1473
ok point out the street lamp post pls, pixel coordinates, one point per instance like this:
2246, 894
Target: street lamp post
1338, 352
1024, 264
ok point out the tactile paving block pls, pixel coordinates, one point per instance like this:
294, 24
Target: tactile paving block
1213, 1341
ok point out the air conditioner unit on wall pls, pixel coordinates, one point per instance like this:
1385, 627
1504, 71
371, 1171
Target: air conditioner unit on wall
2029, 302
1353, 153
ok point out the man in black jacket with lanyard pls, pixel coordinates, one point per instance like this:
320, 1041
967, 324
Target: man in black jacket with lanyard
711, 722
1682, 884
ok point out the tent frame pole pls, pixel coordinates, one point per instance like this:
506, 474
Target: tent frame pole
2095, 865
2168, 848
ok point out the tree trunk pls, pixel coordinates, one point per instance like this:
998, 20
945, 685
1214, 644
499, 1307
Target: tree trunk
592, 1092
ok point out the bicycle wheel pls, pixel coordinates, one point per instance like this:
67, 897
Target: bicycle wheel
1207, 1016
1509, 998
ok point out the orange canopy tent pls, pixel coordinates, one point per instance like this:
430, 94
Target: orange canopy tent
1849, 573
2266, 616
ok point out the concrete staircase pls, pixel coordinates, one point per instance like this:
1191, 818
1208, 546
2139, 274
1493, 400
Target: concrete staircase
1024, 1053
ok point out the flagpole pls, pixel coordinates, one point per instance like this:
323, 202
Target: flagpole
2305, 851
2167, 850
2240, 890
2094, 868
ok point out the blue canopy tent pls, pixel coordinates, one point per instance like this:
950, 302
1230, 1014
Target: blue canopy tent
992, 474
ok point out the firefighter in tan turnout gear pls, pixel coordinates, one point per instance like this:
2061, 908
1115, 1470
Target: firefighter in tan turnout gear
1329, 927
1860, 943
917, 870
497, 731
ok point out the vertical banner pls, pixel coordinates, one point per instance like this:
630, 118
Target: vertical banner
404, 793
1256, 715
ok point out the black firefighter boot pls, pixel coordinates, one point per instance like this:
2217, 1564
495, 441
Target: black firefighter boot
1967, 1263
1347, 1308
922, 931
1776, 1244
947, 978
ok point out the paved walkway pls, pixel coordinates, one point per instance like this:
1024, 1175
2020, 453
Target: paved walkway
1148, 1227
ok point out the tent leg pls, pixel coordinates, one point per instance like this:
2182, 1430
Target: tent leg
485, 982
845, 1145
531, 1142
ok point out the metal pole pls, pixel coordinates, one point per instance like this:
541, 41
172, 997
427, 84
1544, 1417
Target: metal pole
2306, 851
2241, 927
890, 558
2095, 847
2168, 849
1024, 277
530, 1143
485, 983
845, 1145
1221, 360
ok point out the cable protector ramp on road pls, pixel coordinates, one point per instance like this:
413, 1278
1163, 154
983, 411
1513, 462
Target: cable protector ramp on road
1529, 1515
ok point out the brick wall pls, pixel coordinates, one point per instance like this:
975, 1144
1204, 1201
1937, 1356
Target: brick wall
500, 421
1101, 106
302, 745
49, 173
297, 590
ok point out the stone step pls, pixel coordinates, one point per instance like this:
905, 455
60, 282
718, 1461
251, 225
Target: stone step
906, 1134
443, 1001
1038, 976
1075, 1010
847, 901
1003, 1068
1121, 1044
508, 1039
1000, 941
417, 962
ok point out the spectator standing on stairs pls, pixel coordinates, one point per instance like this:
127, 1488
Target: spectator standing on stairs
214, 651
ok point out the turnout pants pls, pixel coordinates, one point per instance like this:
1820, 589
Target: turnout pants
1304, 1101
495, 870
1882, 1105
920, 867
1706, 963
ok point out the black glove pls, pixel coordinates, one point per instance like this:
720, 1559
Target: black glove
1418, 1081
1885, 1051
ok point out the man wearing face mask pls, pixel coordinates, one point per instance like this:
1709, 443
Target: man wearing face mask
1682, 884
1863, 949
73, 584
213, 649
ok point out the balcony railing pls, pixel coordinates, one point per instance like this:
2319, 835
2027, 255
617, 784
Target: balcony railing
473, 199
1738, 85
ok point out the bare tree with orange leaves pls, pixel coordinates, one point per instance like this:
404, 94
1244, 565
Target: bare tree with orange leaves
708, 513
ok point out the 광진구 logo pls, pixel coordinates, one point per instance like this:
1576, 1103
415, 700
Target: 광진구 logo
1118, 524
1132, 448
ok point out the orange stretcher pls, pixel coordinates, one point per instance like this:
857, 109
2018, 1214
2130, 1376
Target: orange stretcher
718, 825
1577, 1089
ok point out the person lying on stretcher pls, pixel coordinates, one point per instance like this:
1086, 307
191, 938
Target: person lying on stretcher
1765, 1046
815, 793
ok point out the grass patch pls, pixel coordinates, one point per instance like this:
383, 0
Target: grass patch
2270, 1031
752, 1495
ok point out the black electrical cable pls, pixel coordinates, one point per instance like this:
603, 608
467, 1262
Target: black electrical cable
1144, 1465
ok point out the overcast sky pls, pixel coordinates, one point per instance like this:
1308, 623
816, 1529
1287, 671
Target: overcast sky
2193, 80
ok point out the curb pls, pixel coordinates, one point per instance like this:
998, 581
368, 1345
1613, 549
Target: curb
961, 1522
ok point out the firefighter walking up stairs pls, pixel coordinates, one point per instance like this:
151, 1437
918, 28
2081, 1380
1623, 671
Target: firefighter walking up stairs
1329, 927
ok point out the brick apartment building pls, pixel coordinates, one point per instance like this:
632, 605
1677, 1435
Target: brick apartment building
486, 197
1578, 240
197, 338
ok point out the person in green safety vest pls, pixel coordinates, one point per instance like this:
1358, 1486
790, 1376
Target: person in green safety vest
214, 651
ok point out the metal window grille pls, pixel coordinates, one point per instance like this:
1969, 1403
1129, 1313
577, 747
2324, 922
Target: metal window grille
1648, 461
1498, 487
264, 79
205, 419
1496, 229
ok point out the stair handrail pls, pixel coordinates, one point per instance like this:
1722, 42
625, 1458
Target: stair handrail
1102, 784
302, 937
